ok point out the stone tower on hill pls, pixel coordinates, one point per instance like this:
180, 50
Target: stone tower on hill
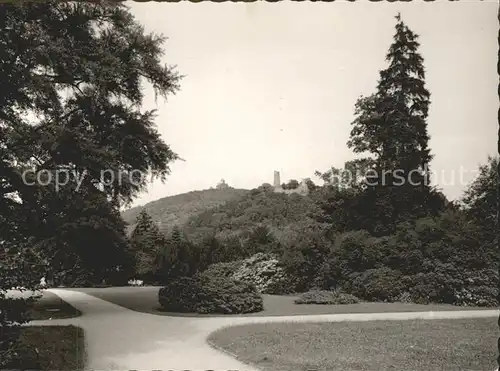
277, 183
302, 189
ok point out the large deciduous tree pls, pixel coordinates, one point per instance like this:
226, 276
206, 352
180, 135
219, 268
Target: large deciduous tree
480, 200
352, 176
74, 75
72, 82
78, 69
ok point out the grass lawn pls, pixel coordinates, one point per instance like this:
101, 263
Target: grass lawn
50, 348
145, 299
50, 306
432, 345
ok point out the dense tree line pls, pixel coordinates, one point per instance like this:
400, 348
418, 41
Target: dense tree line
451, 257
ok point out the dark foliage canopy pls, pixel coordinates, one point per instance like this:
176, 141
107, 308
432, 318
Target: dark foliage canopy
72, 82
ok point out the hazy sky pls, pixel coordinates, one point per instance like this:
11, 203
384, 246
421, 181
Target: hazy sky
272, 86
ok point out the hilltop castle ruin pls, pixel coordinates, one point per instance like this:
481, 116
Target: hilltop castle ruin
302, 189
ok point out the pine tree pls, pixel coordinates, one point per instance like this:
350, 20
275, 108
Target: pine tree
146, 243
391, 127
145, 227
391, 124
177, 257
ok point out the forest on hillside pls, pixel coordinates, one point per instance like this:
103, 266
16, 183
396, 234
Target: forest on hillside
176, 210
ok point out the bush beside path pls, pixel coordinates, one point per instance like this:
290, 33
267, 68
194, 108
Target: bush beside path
49, 348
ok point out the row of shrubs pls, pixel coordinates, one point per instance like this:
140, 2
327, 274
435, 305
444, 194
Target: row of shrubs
236, 287
441, 283
438, 286
434, 260
384, 285
205, 295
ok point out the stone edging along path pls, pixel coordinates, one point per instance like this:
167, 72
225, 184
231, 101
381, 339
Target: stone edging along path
121, 339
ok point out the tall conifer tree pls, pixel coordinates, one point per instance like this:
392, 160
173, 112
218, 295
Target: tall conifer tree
146, 243
391, 127
392, 123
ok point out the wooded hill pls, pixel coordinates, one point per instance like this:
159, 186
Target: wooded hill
176, 210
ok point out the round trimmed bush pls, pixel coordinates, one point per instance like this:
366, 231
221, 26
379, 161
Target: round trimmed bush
263, 271
220, 295
202, 294
180, 295
223, 269
467, 288
381, 284
343, 298
260, 270
326, 297
477, 296
479, 289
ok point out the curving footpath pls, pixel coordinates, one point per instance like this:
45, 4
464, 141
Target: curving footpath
118, 338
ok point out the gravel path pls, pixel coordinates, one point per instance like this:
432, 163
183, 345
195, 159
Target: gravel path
121, 339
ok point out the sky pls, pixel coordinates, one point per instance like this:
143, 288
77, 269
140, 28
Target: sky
272, 86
